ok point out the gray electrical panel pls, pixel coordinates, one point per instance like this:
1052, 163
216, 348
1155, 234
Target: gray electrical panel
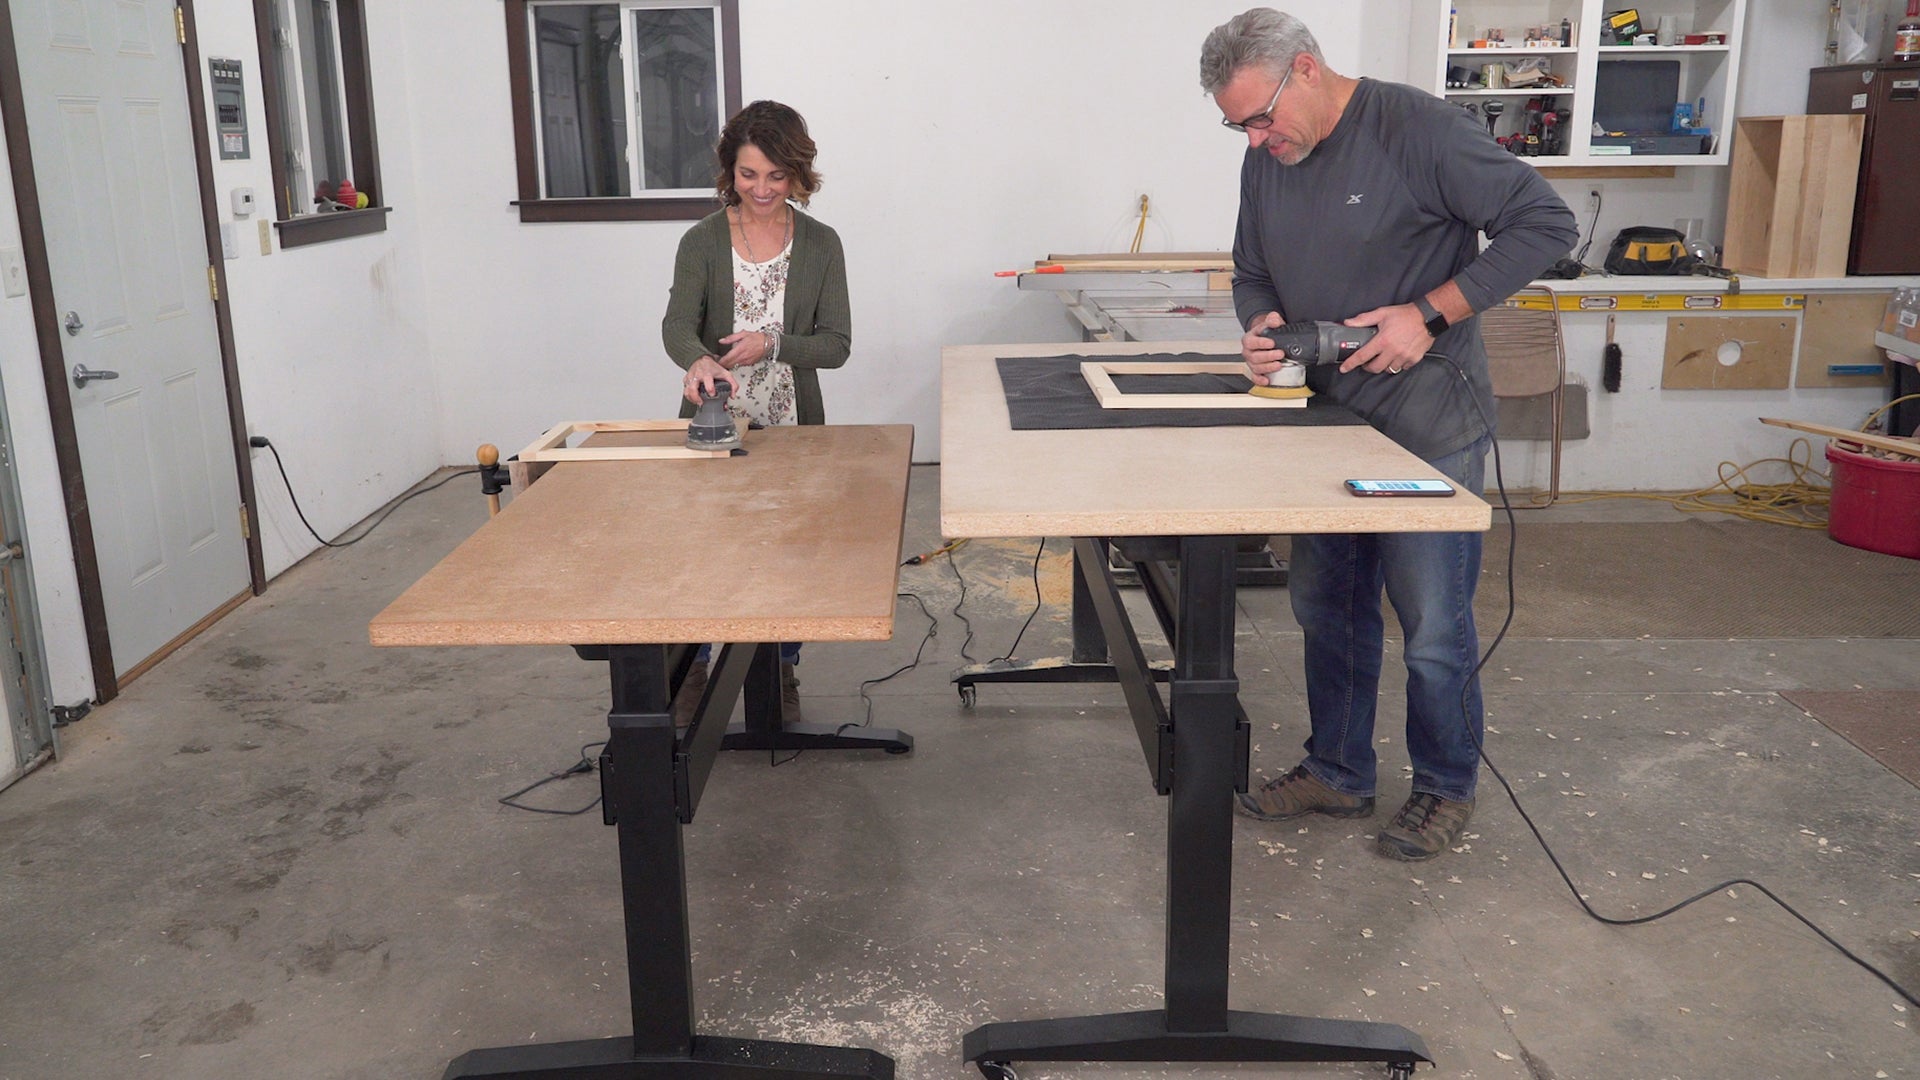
229, 107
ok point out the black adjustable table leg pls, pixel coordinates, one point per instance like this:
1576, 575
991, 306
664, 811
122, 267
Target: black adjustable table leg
1208, 763
639, 784
766, 729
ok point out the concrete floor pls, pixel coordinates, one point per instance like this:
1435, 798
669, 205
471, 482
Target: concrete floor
279, 854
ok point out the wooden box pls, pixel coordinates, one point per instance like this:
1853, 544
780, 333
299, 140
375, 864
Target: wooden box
1790, 207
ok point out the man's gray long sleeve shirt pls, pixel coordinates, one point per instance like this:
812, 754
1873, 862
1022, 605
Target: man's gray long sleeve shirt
1385, 210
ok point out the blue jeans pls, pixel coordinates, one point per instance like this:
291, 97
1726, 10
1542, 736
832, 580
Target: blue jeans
1335, 580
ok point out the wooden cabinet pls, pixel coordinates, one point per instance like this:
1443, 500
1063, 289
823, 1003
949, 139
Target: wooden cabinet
1596, 102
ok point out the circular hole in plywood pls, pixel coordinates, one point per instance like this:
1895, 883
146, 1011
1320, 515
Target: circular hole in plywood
1728, 353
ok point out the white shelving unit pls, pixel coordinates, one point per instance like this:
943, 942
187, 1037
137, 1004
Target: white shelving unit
1708, 73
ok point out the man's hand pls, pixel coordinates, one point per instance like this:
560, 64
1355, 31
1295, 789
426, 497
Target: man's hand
1401, 342
702, 376
1258, 351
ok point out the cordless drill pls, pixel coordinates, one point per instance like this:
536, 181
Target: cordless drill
1318, 342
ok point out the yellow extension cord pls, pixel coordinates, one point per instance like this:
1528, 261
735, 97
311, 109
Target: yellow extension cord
1800, 503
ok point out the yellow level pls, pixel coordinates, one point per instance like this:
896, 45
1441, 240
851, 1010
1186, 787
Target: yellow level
1634, 301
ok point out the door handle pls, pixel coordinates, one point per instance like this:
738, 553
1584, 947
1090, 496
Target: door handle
73, 324
82, 375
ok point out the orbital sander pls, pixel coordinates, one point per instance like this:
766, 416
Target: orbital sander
1304, 343
712, 427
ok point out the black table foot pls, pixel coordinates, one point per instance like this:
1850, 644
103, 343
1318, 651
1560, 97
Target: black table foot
1046, 670
1143, 1036
708, 1059
817, 737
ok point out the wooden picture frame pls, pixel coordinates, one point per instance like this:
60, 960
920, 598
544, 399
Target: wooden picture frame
1099, 375
550, 448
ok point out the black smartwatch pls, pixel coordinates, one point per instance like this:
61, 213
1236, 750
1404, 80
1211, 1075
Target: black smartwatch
1436, 323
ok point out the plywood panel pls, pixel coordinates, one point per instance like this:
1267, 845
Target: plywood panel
1760, 346
1838, 329
995, 481
798, 540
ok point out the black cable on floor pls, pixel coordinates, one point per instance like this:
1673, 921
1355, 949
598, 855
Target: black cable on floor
933, 630
1036, 605
261, 440
1513, 530
584, 765
964, 621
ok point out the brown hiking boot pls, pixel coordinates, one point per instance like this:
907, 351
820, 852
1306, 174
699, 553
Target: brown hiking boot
790, 696
1424, 827
687, 701
1299, 793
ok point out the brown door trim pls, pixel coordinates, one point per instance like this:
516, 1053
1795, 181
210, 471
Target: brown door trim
222, 304
53, 362
53, 367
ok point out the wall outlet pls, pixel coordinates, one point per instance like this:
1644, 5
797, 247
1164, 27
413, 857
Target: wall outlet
1593, 198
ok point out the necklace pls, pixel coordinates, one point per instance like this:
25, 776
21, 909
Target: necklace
747, 238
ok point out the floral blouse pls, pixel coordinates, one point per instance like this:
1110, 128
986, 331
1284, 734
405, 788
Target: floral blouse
759, 303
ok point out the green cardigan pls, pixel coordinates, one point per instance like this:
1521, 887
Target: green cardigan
816, 330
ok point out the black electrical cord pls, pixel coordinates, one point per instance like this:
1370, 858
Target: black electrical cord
258, 441
1036, 605
1513, 530
958, 604
584, 765
1581, 255
933, 630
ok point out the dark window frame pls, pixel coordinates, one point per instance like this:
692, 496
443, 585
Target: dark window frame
363, 150
520, 75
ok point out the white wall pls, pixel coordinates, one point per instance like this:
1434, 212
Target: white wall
331, 338
954, 140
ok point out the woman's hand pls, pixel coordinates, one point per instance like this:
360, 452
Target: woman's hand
703, 375
745, 348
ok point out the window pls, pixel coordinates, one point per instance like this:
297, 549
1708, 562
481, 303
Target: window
319, 100
618, 104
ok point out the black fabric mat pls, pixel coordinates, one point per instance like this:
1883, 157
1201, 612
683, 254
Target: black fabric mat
1048, 393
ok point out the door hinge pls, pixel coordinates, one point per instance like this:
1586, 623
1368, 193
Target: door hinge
246, 527
213, 285
180, 24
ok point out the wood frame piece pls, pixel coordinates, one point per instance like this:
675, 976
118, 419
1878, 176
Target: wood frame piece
1099, 375
550, 448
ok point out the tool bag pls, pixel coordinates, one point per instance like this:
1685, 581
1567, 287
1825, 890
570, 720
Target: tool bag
1649, 249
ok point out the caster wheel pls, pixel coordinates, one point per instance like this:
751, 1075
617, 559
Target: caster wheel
967, 696
998, 1070
899, 749
1400, 1070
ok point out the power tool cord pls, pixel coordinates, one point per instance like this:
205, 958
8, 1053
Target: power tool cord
1513, 530
258, 441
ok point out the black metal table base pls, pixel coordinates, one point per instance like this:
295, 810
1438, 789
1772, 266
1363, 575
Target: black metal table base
651, 779
1195, 742
765, 728
708, 1058
1143, 1036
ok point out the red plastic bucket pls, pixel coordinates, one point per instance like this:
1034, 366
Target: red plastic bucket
1875, 503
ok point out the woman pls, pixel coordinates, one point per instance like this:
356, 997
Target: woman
759, 302
759, 296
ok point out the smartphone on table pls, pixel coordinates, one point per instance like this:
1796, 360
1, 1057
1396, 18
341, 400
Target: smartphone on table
1400, 487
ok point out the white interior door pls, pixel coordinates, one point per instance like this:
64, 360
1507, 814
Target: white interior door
113, 157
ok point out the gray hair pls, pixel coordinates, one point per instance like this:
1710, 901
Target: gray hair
1259, 36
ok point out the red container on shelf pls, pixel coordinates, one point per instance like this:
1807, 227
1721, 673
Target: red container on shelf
1875, 503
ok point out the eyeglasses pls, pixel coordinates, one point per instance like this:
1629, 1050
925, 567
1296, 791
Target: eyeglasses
1263, 119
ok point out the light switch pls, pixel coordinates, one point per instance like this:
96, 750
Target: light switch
229, 245
13, 272
266, 237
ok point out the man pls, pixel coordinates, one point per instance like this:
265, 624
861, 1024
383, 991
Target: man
1360, 202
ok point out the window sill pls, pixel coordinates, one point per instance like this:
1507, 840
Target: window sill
532, 210
320, 228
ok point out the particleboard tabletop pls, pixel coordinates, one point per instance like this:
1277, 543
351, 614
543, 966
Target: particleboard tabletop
798, 540
995, 481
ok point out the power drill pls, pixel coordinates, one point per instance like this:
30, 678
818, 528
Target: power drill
1318, 342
